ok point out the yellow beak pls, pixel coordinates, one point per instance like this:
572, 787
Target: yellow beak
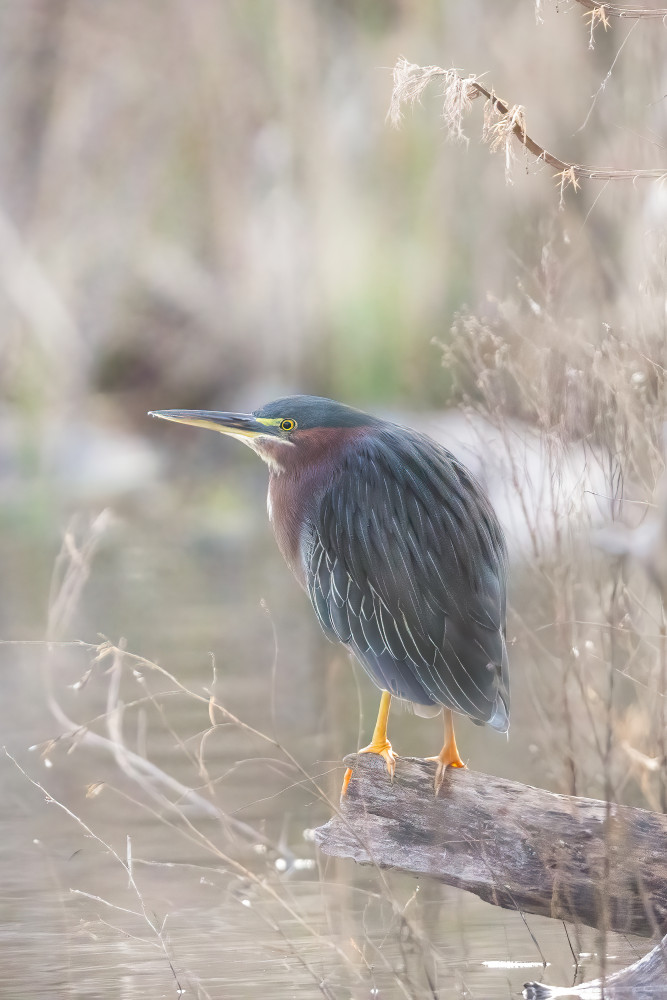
241, 425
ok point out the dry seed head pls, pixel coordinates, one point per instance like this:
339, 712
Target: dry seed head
564, 179
499, 130
410, 81
597, 15
458, 95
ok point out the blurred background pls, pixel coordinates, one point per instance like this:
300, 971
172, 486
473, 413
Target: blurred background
203, 205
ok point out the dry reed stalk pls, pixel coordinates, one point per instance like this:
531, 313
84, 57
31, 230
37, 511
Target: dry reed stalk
593, 628
169, 802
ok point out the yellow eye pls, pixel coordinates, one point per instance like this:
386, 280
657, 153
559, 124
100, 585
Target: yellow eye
287, 425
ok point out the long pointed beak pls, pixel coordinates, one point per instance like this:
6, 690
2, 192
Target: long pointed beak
241, 425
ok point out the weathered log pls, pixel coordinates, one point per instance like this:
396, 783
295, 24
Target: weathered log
511, 844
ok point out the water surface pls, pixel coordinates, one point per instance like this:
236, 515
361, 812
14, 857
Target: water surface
220, 910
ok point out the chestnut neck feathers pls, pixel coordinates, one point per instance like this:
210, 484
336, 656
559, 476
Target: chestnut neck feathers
298, 478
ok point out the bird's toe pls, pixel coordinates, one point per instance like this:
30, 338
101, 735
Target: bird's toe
383, 750
441, 769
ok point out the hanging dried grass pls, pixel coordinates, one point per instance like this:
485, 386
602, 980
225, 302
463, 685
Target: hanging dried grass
500, 129
410, 82
502, 123
600, 11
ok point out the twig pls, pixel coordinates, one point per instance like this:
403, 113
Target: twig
70, 575
150, 920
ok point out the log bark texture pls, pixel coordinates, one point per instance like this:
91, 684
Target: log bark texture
511, 844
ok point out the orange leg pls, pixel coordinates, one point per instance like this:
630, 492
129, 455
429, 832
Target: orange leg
379, 744
449, 755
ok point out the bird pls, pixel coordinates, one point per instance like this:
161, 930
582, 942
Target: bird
398, 549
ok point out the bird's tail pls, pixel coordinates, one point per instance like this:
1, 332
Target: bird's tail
500, 719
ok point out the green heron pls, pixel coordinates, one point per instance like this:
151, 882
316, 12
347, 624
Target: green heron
398, 549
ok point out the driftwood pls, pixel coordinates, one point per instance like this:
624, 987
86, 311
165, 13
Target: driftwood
511, 844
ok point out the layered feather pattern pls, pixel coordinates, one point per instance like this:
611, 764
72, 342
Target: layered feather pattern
405, 563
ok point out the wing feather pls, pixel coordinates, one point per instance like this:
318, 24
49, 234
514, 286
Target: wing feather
406, 565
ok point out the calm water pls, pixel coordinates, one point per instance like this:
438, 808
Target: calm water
220, 911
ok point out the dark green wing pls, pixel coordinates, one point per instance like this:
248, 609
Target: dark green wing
405, 563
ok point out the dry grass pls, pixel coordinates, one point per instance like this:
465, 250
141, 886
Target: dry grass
591, 626
599, 12
503, 124
259, 871
596, 631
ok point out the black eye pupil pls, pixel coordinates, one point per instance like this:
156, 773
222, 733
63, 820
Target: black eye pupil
287, 425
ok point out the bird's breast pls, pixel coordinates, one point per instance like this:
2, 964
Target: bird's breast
296, 490
290, 504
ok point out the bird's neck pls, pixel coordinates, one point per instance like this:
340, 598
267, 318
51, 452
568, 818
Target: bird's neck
296, 489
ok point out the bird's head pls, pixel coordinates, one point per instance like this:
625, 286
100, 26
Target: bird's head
287, 432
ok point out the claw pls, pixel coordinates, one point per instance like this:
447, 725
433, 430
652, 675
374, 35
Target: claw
383, 750
449, 755
442, 768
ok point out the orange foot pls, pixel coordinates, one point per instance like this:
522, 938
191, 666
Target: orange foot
448, 757
385, 751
